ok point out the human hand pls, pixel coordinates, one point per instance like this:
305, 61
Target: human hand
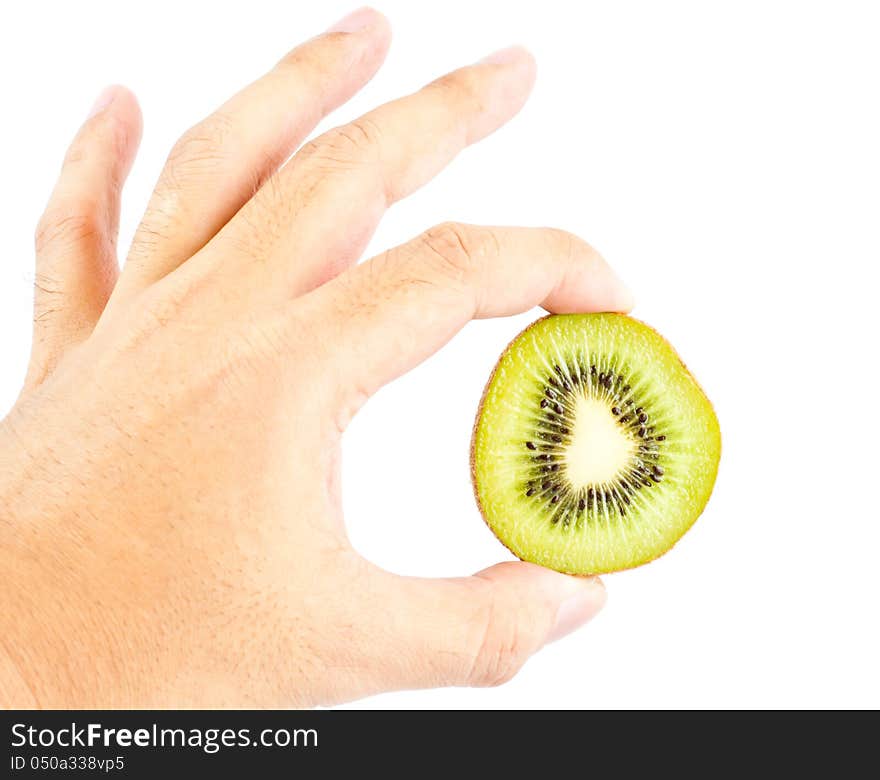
170, 522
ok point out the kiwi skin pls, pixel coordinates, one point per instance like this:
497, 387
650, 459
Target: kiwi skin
473, 458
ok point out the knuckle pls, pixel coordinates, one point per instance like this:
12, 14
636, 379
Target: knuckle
294, 60
463, 86
500, 648
570, 245
562, 237
306, 67
68, 224
102, 134
347, 145
456, 250
199, 148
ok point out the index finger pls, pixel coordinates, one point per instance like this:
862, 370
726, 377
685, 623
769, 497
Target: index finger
384, 317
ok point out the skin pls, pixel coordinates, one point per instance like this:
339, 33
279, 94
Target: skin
171, 532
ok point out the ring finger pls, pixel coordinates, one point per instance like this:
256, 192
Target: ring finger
218, 164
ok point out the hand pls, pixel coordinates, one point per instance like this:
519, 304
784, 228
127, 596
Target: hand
170, 522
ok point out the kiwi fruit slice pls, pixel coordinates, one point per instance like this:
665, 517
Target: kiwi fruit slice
594, 448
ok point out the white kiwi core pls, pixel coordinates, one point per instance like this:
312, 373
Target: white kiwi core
600, 449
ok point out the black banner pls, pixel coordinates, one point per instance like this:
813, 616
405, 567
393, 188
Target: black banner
265, 744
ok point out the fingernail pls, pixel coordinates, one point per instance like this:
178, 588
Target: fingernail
103, 100
355, 21
506, 56
579, 608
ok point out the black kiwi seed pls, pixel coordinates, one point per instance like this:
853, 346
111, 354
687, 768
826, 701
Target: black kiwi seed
555, 498
642, 431
530, 445
543, 403
530, 492
643, 417
546, 484
558, 408
625, 418
615, 410
556, 438
658, 471
656, 477
660, 438
582, 505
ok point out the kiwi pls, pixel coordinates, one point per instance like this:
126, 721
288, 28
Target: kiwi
594, 448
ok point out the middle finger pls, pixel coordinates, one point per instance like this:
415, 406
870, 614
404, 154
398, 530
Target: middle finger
324, 205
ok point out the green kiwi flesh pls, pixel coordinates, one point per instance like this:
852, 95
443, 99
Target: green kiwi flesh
594, 448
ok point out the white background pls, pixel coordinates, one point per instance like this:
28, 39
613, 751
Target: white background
725, 157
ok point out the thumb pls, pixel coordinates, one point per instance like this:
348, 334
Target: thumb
480, 630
